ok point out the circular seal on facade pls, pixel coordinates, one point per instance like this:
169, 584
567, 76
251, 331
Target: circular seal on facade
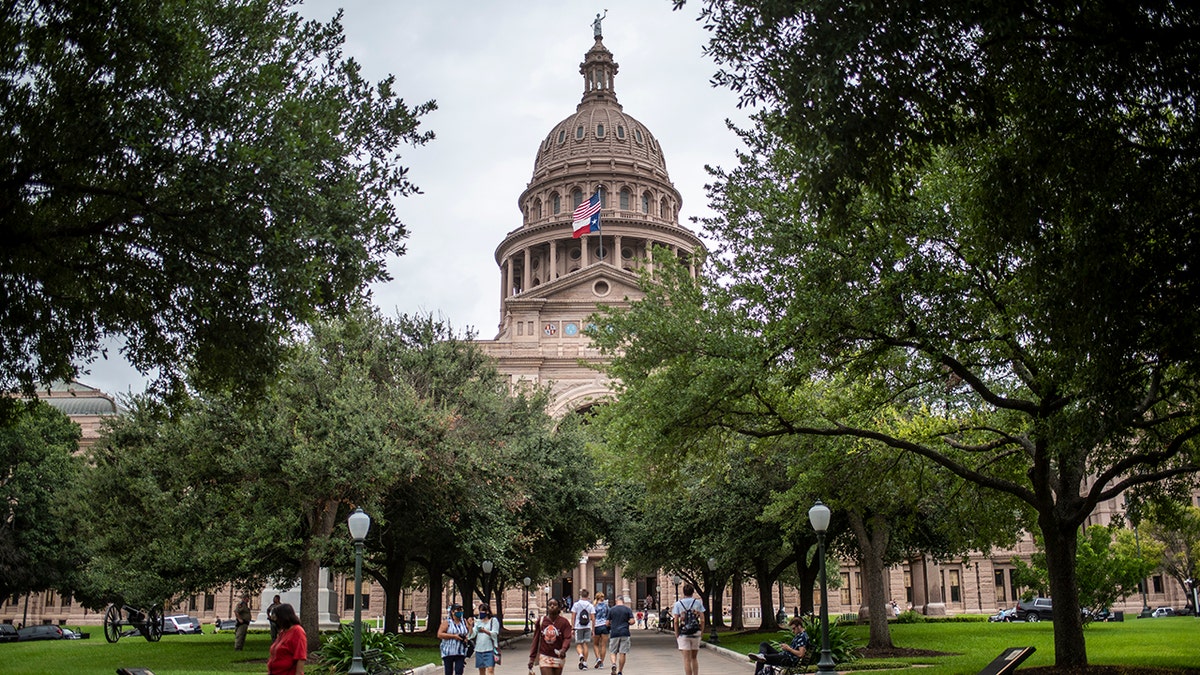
601, 288
571, 329
550, 329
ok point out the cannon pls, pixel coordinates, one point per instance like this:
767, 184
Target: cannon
122, 621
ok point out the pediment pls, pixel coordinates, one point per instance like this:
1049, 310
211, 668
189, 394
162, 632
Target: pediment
594, 284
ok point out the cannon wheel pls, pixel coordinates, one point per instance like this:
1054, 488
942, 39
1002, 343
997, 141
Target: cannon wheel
154, 625
112, 623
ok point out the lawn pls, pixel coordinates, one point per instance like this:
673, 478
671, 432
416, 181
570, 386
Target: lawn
1172, 642
173, 655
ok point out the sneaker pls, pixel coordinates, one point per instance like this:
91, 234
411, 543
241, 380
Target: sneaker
614, 669
757, 656
582, 664
599, 664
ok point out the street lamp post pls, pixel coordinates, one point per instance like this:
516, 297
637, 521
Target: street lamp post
525, 603
818, 516
712, 608
359, 523
487, 576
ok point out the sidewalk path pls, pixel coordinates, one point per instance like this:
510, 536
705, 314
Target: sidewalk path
650, 653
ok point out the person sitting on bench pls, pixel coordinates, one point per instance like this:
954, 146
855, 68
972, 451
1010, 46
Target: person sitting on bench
767, 655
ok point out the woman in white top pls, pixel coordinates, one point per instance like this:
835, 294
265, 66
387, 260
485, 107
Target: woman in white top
453, 633
487, 641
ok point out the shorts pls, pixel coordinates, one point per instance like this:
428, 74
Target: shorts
485, 659
618, 645
602, 630
688, 643
550, 661
583, 635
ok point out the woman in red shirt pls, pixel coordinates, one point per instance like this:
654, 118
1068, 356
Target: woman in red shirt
289, 651
551, 640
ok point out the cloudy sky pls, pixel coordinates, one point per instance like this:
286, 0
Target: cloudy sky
503, 75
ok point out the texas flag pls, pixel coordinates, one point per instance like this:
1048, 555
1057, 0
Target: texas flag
587, 216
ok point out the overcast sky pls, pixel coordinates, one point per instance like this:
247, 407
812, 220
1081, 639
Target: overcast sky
503, 75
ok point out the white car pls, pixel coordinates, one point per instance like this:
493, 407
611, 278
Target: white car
179, 624
1163, 611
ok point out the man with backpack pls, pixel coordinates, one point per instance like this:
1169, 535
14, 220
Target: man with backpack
584, 612
689, 626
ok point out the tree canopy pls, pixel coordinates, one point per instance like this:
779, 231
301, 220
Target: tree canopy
195, 176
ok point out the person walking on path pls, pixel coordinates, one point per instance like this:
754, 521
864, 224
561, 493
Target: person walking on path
290, 651
242, 623
601, 630
620, 618
584, 613
767, 655
551, 641
648, 607
271, 617
689, 626
453, 635
487, 640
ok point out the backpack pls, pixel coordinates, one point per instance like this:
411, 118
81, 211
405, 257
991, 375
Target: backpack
689, 621
583, 616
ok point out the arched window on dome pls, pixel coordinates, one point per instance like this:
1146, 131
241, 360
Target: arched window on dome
662, 209
625, 199
646, 203
562, 136
537, 208
555, 204
579, 133
576, 196
637, 136
603, 196
620, 132
599, 131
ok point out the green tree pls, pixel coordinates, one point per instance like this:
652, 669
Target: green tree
980, 221
198, 176
1175, 526
38, 474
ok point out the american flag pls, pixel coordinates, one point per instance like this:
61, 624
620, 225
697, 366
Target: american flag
587, 216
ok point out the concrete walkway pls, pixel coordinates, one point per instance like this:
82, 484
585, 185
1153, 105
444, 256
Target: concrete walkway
650, 653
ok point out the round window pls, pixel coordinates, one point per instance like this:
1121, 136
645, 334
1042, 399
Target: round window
601, 288
575, 254
626, 253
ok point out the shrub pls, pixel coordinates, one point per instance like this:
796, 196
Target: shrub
842, 646
909, 616
338, 651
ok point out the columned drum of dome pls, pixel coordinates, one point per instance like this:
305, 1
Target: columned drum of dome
550, 281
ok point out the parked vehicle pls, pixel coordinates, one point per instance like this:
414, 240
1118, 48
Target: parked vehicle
1004, 615
8, 633
224, 624
179, 624
1163, 611
29, 633
1037, 609
69, 634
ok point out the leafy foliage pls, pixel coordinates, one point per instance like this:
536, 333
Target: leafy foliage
38, 476
198, 176
337, 652
843, 647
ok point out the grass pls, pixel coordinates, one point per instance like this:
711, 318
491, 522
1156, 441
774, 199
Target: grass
173, 655
1165, 643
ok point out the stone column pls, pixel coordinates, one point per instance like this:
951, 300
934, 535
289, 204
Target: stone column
526, 274
553, 274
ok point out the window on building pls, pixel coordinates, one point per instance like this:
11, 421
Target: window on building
210, 602
645, 202
955, 586
1158, 583
662, 209
49, 600
537, 208
555, 204
562, 136
192, 603
576, 198
599, 131
845, 589
67, 599
620, 132
637, 135
1001, 596
908, 591
579, 133
603, 197
625, 197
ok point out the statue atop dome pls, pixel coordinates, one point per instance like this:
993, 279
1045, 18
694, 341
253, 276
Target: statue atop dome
596, 25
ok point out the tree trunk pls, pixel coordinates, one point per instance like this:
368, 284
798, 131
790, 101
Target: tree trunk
393, 589
738, 604
766, 595
434, 607
1061, 544
873, 537
808, 571
320, 521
